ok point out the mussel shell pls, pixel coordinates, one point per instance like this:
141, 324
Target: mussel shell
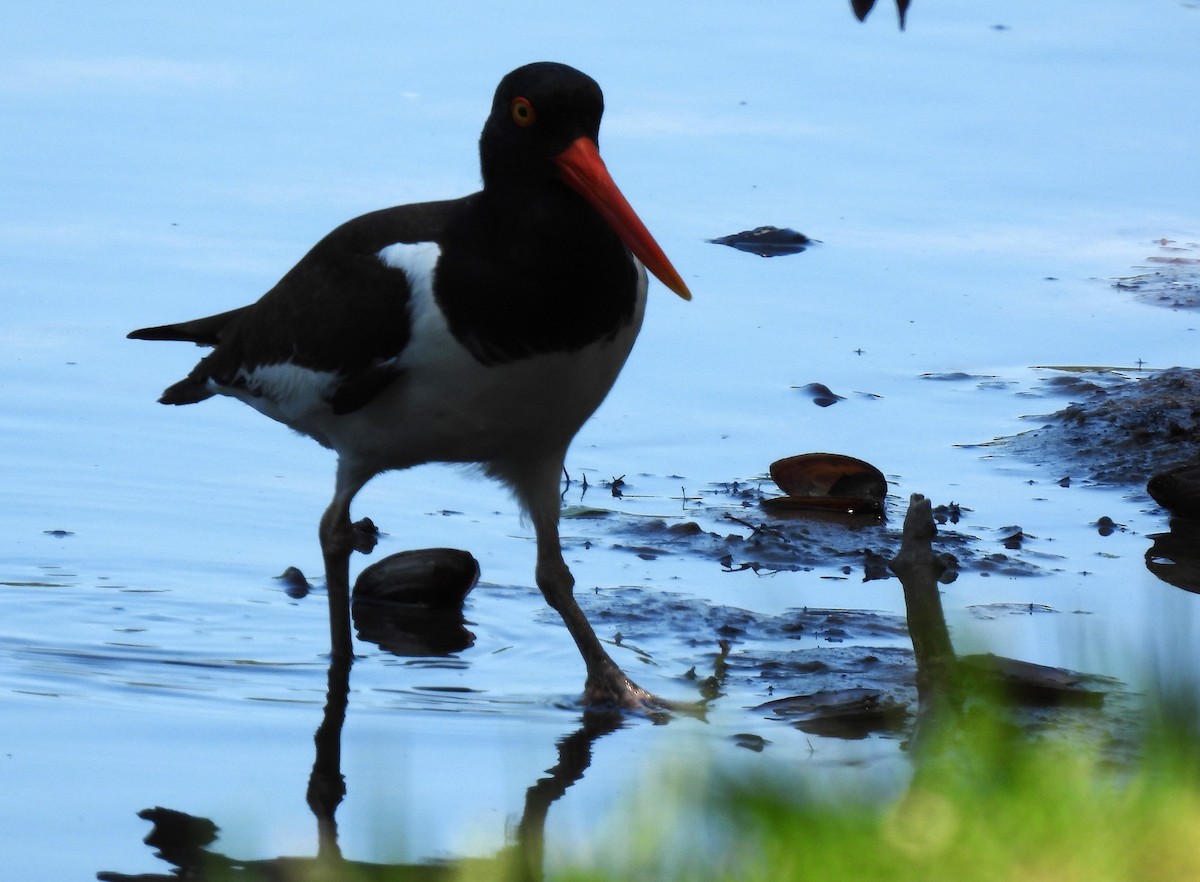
836, 506
828, 482
433, 577
411, 603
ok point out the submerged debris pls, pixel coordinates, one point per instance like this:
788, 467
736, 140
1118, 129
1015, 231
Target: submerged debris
840, 713
767, 241
1033, 684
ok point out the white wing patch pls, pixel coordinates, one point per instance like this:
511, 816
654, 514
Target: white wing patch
415, 260
299, 396
430, 341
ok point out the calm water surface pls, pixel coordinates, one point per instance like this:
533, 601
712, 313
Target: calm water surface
976, 181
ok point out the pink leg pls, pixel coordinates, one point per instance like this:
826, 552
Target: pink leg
537, 485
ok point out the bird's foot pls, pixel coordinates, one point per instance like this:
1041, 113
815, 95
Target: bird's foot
612, 690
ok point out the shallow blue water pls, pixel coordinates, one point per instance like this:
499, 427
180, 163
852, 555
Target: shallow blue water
168, 163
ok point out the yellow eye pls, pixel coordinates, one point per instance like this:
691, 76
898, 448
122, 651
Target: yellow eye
522, 112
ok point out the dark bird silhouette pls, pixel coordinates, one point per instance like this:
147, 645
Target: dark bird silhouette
484, 330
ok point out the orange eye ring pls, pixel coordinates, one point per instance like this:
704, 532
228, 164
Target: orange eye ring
522, 112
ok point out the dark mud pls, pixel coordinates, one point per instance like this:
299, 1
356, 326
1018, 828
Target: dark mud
840, 673
732, 529
764, 656
1118, 430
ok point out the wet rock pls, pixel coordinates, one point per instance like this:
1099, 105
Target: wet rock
766, 241
643, 551
295, 584
875, 566
1012, 537
366, 535
1178, 490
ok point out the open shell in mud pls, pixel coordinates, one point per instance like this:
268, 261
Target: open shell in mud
828, 482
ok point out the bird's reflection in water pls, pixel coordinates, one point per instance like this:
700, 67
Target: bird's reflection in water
182, 840
327, 784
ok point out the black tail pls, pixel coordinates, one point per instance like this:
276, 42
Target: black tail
202, 331
186, 391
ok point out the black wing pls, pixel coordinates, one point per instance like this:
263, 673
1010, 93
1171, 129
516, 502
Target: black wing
340, 309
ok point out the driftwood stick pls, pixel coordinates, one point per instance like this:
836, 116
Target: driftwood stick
938, 686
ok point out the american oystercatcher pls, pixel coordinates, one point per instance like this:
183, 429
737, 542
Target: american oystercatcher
483, 330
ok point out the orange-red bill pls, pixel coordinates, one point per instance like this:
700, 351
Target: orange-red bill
585, 172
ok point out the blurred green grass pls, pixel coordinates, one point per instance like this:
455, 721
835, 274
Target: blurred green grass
988, 801
990, 798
